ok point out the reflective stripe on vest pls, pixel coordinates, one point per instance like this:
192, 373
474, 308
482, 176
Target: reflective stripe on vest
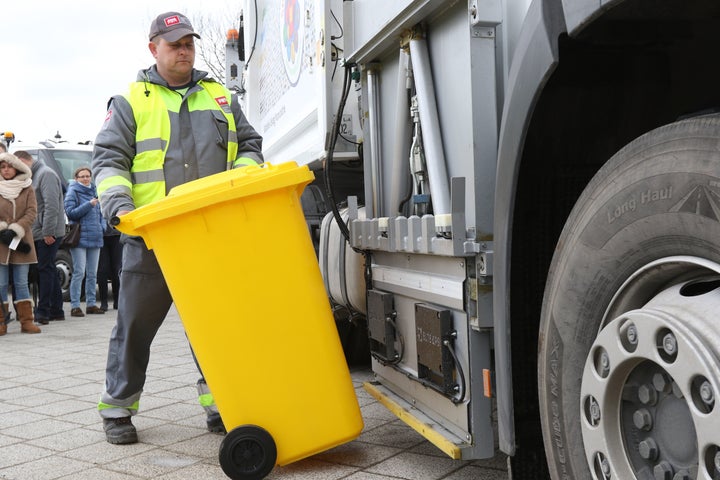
153, 132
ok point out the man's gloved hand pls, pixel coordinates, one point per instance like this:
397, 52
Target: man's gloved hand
6, 236
23, 247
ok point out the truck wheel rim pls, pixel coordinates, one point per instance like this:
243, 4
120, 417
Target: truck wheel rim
651, 379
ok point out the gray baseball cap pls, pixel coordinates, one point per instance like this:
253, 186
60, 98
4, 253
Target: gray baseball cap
172, 26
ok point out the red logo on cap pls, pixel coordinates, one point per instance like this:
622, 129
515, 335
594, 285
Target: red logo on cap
170, 21
221, 101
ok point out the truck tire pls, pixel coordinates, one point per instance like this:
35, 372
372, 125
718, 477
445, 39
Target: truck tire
629, 342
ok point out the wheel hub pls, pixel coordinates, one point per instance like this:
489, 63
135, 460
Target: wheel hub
650, 385
675, 431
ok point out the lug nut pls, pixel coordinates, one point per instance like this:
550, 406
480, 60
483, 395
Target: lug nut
669, 344
648, 449
631, 334
604, 360
676, 390
630, 393
660, 383
603, 464
663, 471
604, 364
642, 419
605, 467
682, 475
594, 411
706, 393
647, 394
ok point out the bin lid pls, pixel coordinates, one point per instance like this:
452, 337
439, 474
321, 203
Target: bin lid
214, 189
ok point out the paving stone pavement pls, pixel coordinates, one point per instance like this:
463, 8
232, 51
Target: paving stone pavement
49, 427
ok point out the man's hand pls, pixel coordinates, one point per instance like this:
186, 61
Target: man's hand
49, 240
115, 220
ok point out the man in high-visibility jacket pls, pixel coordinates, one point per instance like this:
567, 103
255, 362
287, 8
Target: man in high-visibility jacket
173, 126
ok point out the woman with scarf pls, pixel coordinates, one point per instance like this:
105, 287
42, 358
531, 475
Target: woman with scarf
81, 206
18, 209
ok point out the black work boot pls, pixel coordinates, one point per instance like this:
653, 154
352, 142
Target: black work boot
215, 423
119, 431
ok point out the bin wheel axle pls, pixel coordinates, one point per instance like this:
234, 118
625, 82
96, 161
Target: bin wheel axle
248, 452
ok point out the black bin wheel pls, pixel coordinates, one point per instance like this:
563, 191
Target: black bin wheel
248, 452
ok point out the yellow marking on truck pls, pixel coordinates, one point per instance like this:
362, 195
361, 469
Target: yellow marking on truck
427, 431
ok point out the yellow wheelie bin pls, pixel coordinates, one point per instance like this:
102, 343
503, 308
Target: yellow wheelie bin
239, 261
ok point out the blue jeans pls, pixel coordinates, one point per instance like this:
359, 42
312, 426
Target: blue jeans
85, 260
20, 280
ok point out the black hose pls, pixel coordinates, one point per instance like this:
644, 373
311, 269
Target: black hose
347, 83
461, 375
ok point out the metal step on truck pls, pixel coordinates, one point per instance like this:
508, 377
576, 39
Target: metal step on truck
533, 240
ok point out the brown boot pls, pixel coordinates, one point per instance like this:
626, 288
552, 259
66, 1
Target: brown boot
4, 316
25, 315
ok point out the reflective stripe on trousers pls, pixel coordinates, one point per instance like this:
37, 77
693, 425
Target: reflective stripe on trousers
206, 398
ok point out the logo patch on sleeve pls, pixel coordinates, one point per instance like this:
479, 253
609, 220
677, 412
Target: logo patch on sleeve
223, 104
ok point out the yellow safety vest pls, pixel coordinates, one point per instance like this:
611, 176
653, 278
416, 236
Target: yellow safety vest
152, 136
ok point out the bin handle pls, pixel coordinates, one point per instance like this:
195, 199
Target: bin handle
125, 224
116, 220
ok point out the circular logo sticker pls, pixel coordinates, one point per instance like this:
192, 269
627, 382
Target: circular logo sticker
293, 30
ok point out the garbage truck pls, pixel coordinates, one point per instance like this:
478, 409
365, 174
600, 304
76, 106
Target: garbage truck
532, 242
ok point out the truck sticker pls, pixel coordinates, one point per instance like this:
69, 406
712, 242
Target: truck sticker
292, 39
284, 73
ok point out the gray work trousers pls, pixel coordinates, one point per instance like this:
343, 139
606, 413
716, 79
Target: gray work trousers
143, 304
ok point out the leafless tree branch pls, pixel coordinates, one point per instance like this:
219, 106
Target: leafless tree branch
211, 48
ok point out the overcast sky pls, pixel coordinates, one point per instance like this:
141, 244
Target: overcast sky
61, 61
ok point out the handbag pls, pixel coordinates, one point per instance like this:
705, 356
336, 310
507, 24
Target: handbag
72, 236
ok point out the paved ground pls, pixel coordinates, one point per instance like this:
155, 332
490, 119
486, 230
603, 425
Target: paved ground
50, 429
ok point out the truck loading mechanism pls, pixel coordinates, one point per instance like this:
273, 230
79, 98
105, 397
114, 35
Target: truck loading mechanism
538, 230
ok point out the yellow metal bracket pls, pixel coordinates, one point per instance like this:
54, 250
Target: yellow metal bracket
424, 429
